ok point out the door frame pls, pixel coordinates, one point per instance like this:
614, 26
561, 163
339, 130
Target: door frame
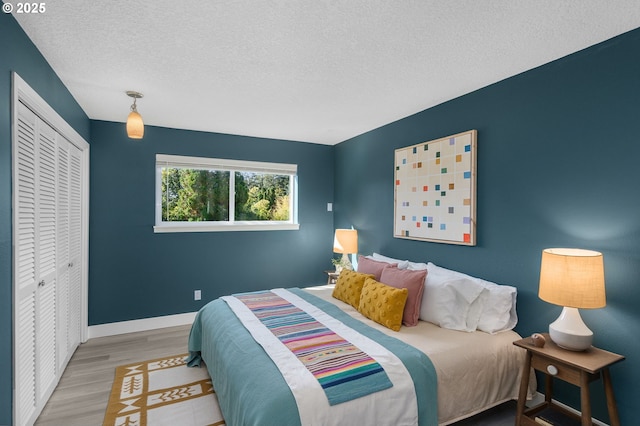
23, 93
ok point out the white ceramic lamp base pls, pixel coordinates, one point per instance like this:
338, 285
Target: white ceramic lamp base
570, 332
346, 263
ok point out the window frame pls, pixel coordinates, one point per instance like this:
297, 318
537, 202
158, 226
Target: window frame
232, 166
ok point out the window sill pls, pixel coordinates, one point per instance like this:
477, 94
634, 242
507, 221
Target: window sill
198, 227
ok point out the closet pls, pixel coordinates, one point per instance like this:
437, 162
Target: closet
49, 249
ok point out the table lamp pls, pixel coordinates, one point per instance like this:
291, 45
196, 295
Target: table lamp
345, 241
573, 279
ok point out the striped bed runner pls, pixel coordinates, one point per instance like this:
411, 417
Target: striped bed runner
343, 370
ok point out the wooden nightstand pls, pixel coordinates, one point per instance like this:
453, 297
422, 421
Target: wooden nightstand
332, 276
577, 368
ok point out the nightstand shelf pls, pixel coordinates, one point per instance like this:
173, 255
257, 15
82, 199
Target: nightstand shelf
552, 416
577, 368
332, 276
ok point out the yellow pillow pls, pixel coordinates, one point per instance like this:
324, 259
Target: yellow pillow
349, 286
382, 303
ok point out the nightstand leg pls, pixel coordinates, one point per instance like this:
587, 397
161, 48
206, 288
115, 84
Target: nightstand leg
548, 388
524, 385
614, 420
585, 400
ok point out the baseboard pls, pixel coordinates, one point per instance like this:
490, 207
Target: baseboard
133, 326
538, 398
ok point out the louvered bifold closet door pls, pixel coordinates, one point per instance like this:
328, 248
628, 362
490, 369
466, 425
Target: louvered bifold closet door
39, 196
25, 272
62, 282
49, 178
74, 319
46, 207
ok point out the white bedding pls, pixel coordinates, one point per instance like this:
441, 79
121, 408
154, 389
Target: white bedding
475, 370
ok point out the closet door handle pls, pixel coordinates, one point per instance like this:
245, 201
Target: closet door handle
70, 264
41, 283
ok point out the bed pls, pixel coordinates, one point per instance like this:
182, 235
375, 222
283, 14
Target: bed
456, 373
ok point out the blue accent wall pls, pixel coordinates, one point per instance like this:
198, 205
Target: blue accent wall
135, 273
558, 155
17, 53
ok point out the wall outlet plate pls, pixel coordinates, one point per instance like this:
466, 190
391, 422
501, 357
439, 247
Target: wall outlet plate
197, 295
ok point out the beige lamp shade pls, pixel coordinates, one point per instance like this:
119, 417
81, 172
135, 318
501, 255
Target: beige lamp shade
572, 278
345, 241
135, 126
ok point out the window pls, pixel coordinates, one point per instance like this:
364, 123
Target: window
196, 194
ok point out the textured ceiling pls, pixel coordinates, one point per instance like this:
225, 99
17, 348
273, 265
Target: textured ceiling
317, 71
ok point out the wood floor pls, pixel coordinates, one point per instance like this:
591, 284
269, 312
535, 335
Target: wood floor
83, 392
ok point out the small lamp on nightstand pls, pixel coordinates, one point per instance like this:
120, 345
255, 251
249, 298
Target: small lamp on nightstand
345, 241
572, 278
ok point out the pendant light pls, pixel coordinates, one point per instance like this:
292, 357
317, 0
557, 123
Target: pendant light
135, 126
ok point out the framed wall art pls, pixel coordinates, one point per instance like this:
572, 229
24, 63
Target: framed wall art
435, 190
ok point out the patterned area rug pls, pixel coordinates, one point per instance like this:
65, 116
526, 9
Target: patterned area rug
162, 392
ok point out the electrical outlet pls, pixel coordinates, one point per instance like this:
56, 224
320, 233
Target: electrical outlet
329, 207
197, 295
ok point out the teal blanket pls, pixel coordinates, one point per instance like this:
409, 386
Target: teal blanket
264, 399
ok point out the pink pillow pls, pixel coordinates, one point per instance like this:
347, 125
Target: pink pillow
373, 267
412, 281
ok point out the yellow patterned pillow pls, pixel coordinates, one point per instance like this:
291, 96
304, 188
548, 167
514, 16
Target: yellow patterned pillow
349, 286
382, 303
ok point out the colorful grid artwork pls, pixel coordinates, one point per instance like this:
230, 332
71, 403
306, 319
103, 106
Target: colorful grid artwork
444, 208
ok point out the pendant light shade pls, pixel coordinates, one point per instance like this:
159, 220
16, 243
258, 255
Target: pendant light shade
135, 125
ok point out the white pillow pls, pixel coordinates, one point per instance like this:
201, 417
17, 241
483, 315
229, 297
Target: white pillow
499, 312
498, 305
402, 264
476, 309
454, 304
415, 266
